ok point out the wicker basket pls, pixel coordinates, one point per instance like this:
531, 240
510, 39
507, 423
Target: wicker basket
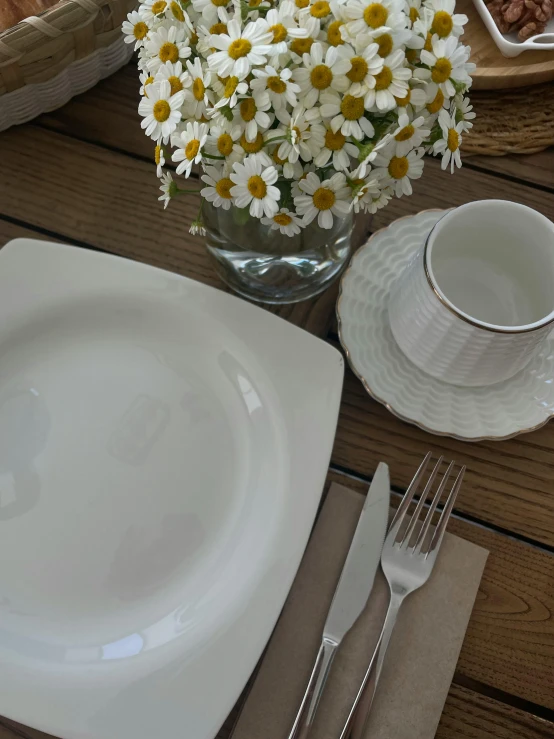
45, 60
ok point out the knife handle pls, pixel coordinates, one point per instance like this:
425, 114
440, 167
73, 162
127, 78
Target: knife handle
310, 701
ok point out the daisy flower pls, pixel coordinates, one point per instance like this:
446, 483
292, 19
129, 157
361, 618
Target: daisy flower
365, 64
378, 202
282, 25
159, 159
372, 14
175, 75
302, 138
229, 90
197, 96
300, 45
254, 186
449, 144
337, 148
390, 83
166, 45
168, 188
222, 139
279, 85
448, 61
190, 143
197, 228
240, 49
252, 114
208, 9
364, 193
397, 172
412, 8
218, 190
285, 220
333, 32
415, 96
369, 155
152, 10
347, 114
322, 199
135, 29
161, 111
145, 79
464, 112
436, 99
410, 134
320, 72
445, 21
388, 40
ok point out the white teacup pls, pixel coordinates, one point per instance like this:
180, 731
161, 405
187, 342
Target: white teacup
478, 298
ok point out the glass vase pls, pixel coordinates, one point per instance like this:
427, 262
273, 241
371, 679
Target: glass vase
262, 264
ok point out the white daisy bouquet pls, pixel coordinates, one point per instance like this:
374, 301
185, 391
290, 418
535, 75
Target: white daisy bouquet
297, 110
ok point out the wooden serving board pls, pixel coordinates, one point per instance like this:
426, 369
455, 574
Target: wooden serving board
497, 72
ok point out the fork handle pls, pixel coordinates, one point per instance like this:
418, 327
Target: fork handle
310, 701
359, 713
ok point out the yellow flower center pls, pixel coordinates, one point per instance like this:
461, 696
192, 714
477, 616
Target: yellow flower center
398, 167
257, 187
223, 187
147, 81
192, 148
177, 11
383, 79
279, 33
302, 3
161, 110
323, 198
453, 140
405, 133
334, 141
169, 52
252, 147
334, 36
159, 7
442, 23
402, 102
239, 48
352, 108
218, 28
254, 3
358, 70
276, 158
193, 38
230, 86
411, 55
282, 219
276, 84
301, 45
385, 43
428, 45
375, 15
414, 15
140, 30
225, 144
219, 3
321, 77
441, 71
248, 109
320, 9
157, 154
198, 89
175, 84
435, 105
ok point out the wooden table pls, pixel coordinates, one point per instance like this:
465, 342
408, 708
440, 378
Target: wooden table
84, 175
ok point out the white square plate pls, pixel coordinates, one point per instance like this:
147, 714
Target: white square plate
163, 448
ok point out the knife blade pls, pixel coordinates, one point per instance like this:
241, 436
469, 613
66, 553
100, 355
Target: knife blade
351, 594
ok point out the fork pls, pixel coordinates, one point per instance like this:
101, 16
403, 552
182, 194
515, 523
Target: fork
407, 565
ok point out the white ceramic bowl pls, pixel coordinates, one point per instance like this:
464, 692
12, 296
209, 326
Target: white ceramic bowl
508, 43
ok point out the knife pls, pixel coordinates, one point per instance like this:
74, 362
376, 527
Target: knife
351, 594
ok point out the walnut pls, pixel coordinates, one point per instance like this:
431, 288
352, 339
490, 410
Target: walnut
525, 17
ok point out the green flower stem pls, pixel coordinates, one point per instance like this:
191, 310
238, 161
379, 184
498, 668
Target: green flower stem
211, 156
179, 191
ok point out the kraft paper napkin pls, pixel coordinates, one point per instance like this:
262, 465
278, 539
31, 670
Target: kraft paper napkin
421, 658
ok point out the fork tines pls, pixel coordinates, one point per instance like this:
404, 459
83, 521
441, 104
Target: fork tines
412, 533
